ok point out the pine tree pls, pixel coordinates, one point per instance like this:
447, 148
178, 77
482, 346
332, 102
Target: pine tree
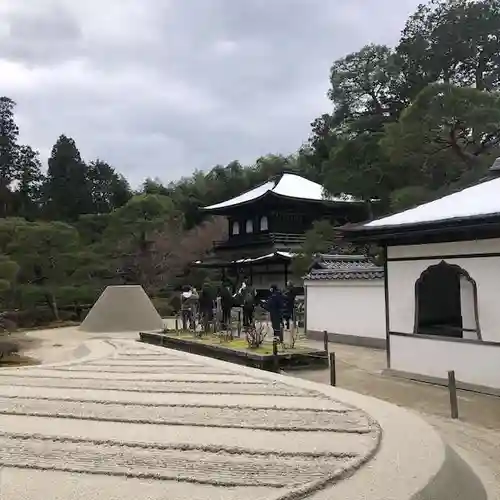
109, 190
29, 176
67, 191
8, 149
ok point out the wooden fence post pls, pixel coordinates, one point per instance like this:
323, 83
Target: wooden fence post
452, 388
276, 361
333, 374
325, 341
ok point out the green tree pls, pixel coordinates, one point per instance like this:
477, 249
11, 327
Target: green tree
155, 186
8, 150
359, 167
364, 88
8, 273
28, 193
140, 218
451, 41
108, 190
130, 239
45, 252
319, 239
67, 189
461, 121
91, 227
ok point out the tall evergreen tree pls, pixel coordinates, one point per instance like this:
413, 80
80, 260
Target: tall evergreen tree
8, 148
29, 176
67, 189
108, 189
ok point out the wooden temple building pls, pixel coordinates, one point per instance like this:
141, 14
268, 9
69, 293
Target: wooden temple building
267, 226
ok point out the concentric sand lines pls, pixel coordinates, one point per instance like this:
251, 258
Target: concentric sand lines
154, 387
189, 465
333, 411
213, 426
143, 370
255, 418
171, 380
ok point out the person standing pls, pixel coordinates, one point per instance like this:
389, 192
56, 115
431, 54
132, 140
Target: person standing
226, 299
289, 299
206, 305
189, 300
248, 304
275, 304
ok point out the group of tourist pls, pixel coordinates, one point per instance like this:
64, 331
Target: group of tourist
203, 307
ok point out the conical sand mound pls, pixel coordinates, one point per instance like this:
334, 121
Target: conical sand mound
122, 309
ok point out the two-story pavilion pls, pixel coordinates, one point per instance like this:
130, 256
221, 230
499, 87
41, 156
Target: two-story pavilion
267, 226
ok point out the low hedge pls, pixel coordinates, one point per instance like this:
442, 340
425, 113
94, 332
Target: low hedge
7, 348
35, 317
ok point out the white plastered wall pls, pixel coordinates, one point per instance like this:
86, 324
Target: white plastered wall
350, 307
402, 275
473, 363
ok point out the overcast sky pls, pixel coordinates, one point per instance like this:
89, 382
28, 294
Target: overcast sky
160, 88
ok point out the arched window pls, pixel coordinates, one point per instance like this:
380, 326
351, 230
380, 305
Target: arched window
446, 303
264, 223
236, 228
249, 226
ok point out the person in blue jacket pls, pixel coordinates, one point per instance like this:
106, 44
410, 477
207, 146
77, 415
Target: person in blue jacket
275, 304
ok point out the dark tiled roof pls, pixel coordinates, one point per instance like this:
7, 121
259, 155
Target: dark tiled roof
344, 267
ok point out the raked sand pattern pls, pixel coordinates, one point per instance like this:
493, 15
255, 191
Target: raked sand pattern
169, 418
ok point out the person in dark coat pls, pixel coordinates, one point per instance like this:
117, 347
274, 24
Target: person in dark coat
227, 303
248, 304
274, 304
206, 305
289, 297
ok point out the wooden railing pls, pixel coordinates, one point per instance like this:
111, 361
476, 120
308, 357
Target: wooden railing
255, 239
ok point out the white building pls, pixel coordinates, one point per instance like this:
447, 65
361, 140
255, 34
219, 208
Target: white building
442, 284
344, 296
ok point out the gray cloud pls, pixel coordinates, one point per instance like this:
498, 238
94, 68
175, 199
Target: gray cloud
160, 88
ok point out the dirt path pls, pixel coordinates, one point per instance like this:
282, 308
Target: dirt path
477, 432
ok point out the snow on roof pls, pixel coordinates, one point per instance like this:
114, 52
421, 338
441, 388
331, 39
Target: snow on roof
279, 253
482, 199
289, 185
253, 194
287, 255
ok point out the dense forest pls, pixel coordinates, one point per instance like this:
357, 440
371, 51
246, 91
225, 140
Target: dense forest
407, 124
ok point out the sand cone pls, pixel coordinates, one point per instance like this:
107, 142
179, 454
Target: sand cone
124, 308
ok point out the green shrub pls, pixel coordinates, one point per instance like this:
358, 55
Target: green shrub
35, 317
